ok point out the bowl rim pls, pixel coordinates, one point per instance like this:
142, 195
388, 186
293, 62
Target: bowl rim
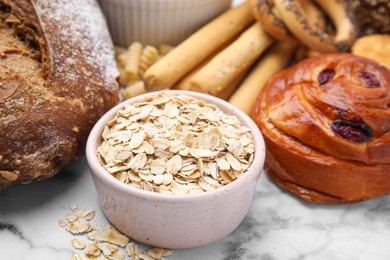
252, 173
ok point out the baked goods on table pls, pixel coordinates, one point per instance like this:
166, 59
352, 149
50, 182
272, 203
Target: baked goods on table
329, 129
57, 77
326, 123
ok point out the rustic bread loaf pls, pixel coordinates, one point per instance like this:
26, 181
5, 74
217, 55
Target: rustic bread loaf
57, 77
326, 123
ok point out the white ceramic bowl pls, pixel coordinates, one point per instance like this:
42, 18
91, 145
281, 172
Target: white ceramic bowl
171, 220
158, 21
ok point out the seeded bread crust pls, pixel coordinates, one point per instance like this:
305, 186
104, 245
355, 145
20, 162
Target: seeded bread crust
57, 77
326, 124
372, 15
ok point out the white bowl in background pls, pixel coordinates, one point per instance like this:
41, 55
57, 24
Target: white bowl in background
158, 21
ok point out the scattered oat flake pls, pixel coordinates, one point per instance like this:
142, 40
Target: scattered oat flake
74, 207
131, 249
155, 252
62, 222
79, 212
72, 217
113, 236
145, 256
78, 227
92, 250
91, 235
77, 257
78, 244
166, 252
107, 248
110, 243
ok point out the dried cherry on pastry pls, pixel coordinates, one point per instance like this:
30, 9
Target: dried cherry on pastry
325, 76
370, 79
355, 130
326, 124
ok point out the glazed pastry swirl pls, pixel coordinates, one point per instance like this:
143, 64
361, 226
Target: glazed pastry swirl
326, 122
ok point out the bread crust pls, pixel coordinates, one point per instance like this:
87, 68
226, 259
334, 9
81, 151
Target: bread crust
58, 77
304, 153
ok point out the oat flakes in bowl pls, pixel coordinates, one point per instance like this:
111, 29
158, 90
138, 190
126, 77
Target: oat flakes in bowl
175, 169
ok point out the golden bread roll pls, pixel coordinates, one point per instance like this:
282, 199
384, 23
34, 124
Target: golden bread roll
57, 77
326, 123
375, 47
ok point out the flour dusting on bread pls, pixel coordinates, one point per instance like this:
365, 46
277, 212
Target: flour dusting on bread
84, 31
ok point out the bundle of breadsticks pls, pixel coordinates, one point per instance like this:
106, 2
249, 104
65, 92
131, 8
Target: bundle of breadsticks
231, 57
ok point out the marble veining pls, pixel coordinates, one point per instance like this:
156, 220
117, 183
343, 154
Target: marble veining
278, 226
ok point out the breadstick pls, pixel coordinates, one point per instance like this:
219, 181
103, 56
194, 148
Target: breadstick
231, 62
185, 82
273, 61
229, 90
190, 53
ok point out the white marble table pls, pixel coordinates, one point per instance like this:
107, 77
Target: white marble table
278, 226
